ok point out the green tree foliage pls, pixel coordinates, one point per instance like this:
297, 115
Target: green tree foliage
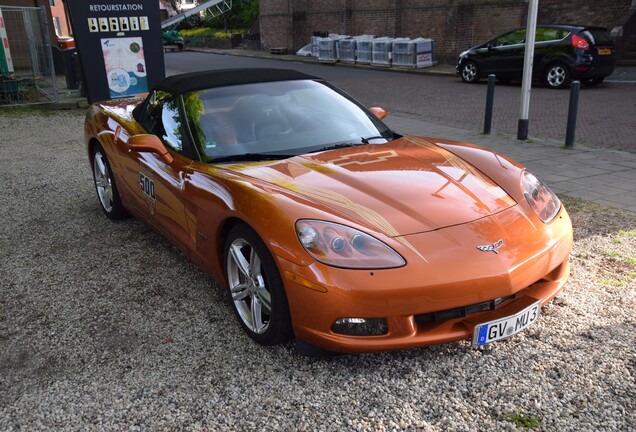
242, 15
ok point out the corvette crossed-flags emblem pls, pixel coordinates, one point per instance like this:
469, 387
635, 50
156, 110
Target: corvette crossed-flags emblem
491, 247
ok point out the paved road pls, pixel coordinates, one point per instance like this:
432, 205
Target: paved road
607, 114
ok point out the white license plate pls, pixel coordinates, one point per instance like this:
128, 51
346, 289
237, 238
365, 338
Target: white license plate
505, 327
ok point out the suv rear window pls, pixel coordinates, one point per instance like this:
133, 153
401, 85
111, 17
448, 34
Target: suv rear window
597, 36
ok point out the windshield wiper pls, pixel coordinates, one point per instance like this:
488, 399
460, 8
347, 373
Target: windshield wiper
363, 141
251, 157
367, 139
337, 146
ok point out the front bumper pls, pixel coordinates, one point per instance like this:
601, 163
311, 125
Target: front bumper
442, 282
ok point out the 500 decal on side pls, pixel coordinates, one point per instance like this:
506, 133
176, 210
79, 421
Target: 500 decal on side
147, 186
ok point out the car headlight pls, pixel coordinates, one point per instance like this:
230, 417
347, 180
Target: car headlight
543, 201
342, 246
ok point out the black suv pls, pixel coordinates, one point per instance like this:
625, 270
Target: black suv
561, 53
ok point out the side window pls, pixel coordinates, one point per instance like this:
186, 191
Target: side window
545, 34
513, 38
161, 117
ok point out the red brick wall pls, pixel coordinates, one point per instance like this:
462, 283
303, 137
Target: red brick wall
58, 12
602, 13
453, 24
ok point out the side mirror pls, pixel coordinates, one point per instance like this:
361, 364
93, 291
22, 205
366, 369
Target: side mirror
378, 112
149, 143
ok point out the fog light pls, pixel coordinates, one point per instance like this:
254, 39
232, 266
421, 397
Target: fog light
360, 326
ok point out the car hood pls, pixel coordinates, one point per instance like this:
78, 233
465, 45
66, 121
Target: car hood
407, 186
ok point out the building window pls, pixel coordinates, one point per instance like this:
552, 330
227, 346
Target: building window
57, 25
52, 2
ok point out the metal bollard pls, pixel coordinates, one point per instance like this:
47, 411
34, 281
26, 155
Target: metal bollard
490, 99
572, 111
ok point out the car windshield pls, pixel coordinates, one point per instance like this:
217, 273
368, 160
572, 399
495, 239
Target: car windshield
282, 118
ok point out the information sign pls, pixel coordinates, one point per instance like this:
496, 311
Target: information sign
120, 46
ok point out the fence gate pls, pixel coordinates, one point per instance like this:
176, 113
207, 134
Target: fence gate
27, 74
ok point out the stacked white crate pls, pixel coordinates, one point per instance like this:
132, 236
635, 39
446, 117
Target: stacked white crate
346, 50
424, 52
314, 45
364, 51
327, 50
403, 52
412, 53
381, 55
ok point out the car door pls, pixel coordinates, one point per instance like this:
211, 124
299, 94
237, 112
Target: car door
160, 185
503, 56
548, 47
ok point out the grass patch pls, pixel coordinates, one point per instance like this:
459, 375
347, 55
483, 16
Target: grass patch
613, 282
577, 205
209, 33
629, 233
26, 109
631, 260
612, 254
523, 421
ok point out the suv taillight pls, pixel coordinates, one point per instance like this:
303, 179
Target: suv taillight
579, 42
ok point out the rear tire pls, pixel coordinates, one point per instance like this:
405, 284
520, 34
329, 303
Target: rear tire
470, 72
557, 76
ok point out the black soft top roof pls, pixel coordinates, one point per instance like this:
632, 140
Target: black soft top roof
193, 81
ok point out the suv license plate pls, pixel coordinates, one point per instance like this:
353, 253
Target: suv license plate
605, 51
505, 327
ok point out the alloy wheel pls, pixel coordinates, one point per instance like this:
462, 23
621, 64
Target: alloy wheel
103, 182
556, 76
469, 72
248, 288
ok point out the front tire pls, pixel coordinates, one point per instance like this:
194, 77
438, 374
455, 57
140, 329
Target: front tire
105, 186
256, 288
557, 76
470, 72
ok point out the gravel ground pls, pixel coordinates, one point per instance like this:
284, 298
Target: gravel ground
105, 326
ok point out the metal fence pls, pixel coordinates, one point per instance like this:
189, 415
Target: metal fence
27, 74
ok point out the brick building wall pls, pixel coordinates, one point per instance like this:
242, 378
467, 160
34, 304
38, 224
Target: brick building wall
453, 24
59, 15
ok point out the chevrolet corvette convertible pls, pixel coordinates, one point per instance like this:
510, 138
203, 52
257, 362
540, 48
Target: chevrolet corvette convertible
324, 225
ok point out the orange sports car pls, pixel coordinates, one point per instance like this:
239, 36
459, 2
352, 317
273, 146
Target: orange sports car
325, 225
